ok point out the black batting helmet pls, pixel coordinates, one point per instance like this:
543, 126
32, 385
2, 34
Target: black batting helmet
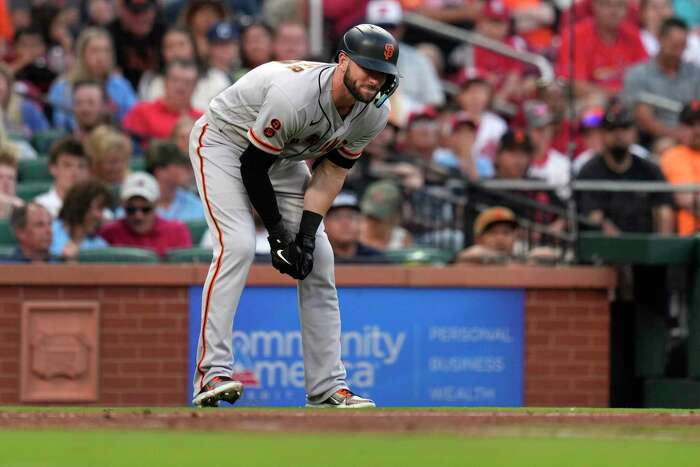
373, 48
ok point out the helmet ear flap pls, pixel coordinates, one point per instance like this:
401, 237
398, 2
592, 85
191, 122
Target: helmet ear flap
390, 86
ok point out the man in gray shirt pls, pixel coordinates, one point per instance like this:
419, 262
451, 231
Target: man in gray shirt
665, 75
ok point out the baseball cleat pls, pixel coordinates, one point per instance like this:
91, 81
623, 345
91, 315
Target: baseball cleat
220, 388
343, 399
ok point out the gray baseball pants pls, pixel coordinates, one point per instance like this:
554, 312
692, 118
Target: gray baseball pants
216, 163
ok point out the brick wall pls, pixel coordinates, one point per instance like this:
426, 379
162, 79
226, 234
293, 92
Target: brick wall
566, 348
144, 323
143, 341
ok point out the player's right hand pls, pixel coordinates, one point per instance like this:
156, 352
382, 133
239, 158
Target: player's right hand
284, 252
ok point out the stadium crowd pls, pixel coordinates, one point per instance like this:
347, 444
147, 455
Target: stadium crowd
105, 92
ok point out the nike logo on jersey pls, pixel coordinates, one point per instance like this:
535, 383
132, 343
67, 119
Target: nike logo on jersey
279, 254
314, 123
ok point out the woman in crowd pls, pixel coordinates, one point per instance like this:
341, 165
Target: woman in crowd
21, 117
95, 60
110, 152
79, 218
256, 48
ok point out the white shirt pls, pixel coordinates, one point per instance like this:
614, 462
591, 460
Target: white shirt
286, 109
488, 136
420, 84
51, 201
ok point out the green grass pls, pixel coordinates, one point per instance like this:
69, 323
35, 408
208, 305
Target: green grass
174, 449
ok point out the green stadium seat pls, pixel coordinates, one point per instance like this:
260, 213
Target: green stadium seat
420, 256
7, 236
43, 140
197, 230
189, 255
117, 255
29, 190
6, 251
137, 164
34, 170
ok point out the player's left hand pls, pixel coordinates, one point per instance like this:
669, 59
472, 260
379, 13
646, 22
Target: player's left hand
306, 244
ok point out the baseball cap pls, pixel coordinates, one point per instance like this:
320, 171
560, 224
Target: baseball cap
492, 216
140, 184
222, 32
471, 75
617, 115
592, 117
690, 113
345, 199
384, 13
537, 114
516, 140
496, 10
381, 200
426, 113
139, 6
463, 119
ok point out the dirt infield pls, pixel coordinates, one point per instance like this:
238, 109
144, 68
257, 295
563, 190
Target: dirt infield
290, 421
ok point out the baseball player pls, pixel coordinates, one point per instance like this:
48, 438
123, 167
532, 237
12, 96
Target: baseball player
249, 151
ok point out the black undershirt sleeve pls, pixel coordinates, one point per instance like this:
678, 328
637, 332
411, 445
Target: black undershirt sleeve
337, 158
255, 164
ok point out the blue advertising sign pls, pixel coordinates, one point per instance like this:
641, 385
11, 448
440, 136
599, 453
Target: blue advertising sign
401, 346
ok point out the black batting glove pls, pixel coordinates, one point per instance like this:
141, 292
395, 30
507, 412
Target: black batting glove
306, 244
280, 239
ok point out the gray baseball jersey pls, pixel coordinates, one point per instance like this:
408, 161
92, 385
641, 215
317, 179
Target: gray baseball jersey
284, 109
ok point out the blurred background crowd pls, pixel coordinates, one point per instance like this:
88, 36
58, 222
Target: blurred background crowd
479, 162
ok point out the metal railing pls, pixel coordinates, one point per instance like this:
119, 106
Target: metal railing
455, 33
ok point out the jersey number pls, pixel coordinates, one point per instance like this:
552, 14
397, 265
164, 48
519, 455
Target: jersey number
297, 67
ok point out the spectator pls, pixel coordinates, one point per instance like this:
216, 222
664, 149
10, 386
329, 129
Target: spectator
547, 163
109, 151
80, 217
89, 107
256, 48
68, 164
157, 118
178, 45
421, 143
290, 41
667, 76
139, 33
680, 165
98, 12
95, 61
474, 98
506, 75
494, 237
533, 21
173, 171
420, 85
31, 224
458, 156
30, 64
22, 117
381, 208
224, 50
181, 133
55, 24
617, 212
8, 181
342, 223
199, 16
606, 45
142, 227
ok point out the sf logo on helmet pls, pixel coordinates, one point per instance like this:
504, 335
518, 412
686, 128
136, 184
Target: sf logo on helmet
388, 51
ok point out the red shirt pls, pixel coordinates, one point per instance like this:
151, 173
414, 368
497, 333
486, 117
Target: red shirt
601, 63
166, 235
153, 119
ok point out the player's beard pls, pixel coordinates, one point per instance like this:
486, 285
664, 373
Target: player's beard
354, 90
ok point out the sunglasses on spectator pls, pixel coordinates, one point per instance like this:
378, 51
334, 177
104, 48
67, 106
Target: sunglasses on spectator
131, 210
